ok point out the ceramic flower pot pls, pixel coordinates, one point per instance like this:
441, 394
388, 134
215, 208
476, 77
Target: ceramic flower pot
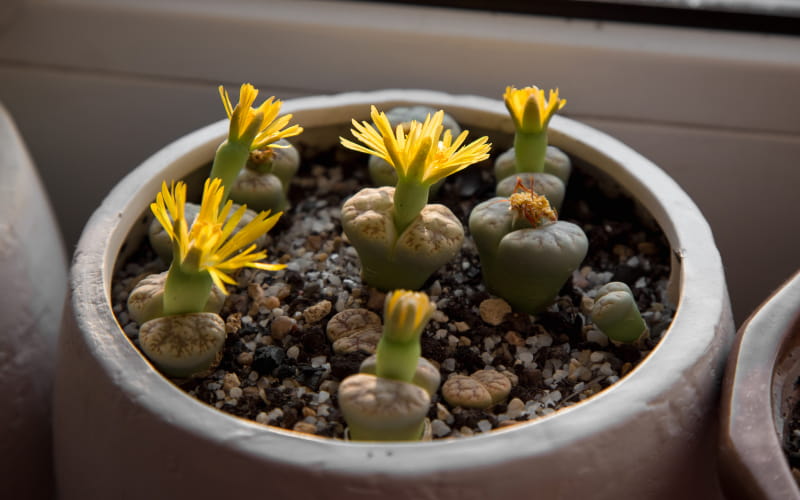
759, 394
649, 436
34, 270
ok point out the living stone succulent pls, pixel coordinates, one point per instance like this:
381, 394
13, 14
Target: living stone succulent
615, 312
264, 182
531, 159
526, 253
389, 399
253, 134
400, 239
185, 339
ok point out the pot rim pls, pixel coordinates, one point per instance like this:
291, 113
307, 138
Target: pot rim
702, 308
751, 452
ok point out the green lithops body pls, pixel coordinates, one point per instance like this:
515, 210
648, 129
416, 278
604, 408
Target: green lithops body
400, 239
264, 182
526, 254
615, 312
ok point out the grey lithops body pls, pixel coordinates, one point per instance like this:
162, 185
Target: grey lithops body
526, 253
264, 182
185, 344
146, 300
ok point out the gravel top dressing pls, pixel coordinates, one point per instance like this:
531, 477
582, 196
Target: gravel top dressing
294, 334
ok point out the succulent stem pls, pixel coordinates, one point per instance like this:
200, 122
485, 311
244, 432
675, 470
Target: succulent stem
185, 291
409, 200
530, 150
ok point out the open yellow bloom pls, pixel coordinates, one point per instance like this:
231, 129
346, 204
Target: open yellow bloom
421, 154
260, 127
406, 314
211, 245
530, 110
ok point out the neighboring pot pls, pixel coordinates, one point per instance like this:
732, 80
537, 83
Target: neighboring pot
759, 393
124, 431
33, 267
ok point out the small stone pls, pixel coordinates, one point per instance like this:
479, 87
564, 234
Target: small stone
597, 337
281, 327
439, 317
493, 311
245, 358
262, 418
293, 352
271, 302
255, 291
236, 392
440, 429
484, 425
597, 356
515, 408
514, 338
461, 326
230, 381
317, 311
305, 427
233, 323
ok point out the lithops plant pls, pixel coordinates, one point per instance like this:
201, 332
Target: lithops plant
531, 159
400, 239
183, 339
381, 171
526, 253
254, 136
616, 314
389, 399
256, 140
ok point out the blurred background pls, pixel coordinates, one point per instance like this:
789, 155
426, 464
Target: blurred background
708, 90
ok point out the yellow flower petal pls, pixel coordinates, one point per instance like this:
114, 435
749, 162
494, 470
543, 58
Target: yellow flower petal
213, 242
420, 154
256, 128
530, 110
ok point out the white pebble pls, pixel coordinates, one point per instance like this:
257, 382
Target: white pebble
484, 425
449, 364
597, 357
262, 418
274, 415
318, 361
236, 392
525, 356
323, 396
439, 428
293, 352
597, 337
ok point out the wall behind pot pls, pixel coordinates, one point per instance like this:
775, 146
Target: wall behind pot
96, 86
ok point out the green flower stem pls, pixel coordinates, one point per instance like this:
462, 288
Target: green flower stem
186, 291
530, 150
230, 158
397, 360
409, 200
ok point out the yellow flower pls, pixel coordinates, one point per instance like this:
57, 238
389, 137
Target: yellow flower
211, 245
530, 110
421, 154
260, 127
406, 314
